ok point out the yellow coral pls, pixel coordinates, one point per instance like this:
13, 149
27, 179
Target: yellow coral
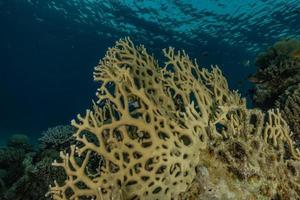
144, 137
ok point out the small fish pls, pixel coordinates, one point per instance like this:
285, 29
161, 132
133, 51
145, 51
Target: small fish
246, 63
256, 78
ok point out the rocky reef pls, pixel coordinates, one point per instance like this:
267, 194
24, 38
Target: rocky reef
174, 132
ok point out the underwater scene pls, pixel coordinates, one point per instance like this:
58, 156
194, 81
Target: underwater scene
140, 99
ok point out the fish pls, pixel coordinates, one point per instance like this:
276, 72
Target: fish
246, 63
256, 78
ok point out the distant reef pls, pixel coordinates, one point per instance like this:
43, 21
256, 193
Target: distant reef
277, 82
26, 172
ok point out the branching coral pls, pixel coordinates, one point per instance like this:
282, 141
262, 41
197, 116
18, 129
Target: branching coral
244, 167
278, 70
277, 81
57, 137
152, 126
274, 81
289, 104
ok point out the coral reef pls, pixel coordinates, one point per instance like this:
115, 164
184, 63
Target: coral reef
277, 82
273, 81
285, 49
32, 171
20, 141
57, 137
278, 70
245, 168
289, 105
174, 132
17, 150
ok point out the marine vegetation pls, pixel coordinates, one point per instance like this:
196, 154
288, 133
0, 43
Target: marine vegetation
174, 132
277, 82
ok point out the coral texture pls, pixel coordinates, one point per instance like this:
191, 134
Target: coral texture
274, 81
244, 167
154, 130
289, 104
277, 82
278, 70
26, 172
57, 137
284, 49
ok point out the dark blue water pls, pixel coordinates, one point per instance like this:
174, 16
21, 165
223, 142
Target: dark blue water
48, 48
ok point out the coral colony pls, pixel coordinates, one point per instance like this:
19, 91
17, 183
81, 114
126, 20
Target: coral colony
174, 132
168, 132
278, 82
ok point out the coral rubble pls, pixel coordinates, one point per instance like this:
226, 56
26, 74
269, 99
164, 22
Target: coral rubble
174, 132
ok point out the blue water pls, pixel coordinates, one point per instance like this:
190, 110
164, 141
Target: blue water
48, 48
